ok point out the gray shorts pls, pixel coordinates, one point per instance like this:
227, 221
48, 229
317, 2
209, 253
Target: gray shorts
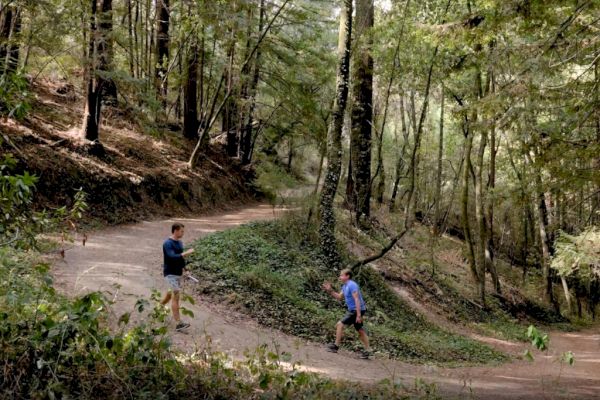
174, 282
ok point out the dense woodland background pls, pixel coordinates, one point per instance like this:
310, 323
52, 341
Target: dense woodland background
478, 119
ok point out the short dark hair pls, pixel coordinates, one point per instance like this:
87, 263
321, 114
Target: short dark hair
347, 272
176, 226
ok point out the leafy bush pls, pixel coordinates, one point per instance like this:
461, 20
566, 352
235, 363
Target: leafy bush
273, 271
14, 95
20, 224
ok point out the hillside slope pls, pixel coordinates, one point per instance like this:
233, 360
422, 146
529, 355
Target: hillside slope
137, 174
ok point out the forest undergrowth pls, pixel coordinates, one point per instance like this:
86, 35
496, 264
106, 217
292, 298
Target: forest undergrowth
58, 347
273, 271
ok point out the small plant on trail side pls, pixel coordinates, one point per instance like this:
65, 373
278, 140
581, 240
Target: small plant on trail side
541, 342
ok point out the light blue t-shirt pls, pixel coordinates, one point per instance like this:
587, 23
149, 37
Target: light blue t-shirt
348, 288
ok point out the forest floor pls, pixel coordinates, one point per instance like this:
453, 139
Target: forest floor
124, 261
140, 170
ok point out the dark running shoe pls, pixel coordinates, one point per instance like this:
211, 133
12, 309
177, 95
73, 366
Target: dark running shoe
365, 354
332, 348
181, 326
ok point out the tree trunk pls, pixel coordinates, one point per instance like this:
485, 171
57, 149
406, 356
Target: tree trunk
246, 135
489, 253
95, 82
105, 52
15, 45
190, 101
230, 110
400, 161
334, 140
465, 202
131, 50
438, 182
362, 108
162, 49
380, 189
542, 222
6, 20
480, 217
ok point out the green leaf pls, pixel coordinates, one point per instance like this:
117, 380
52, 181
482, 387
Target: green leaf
187, 312
124, 319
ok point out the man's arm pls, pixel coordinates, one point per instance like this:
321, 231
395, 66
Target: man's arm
327, 287
357, 304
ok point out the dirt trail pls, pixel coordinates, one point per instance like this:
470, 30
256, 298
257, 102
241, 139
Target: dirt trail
125, 262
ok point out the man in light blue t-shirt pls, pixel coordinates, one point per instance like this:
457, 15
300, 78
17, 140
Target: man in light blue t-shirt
356, 310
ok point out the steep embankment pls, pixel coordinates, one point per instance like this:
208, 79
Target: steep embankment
137, 174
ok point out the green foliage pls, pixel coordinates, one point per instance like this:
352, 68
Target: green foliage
20, 223
538, 340
272, 179
15, 99
541, 342
578, 254
274, 271
53, 347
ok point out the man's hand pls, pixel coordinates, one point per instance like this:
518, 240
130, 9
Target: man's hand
187, 252
358, 318
326, 286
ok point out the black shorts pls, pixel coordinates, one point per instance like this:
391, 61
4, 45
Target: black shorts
350, 319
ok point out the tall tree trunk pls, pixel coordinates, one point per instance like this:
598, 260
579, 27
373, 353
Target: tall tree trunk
480, 217
190, 101
6, 20
136, 41
362, 108
15, 44
162, 49
105, 52
401, 154
380, 188
489, 253
230, 110
246, 136
465, 201
334, 139
131, 48
542, 222
95, 81
438, 181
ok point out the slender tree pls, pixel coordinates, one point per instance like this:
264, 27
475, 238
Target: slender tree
95, 81
362, 110
163, 21
106, 52
334, 139
190, 97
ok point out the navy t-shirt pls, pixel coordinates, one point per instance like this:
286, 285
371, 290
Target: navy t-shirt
173, 260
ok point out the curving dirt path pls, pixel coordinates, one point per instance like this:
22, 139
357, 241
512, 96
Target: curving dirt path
124, 261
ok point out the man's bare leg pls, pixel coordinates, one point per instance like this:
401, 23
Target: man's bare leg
166, 299
364, 339
339, 332
175, 306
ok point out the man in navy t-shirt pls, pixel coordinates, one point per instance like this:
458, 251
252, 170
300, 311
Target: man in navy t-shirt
356, 310
173, 267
